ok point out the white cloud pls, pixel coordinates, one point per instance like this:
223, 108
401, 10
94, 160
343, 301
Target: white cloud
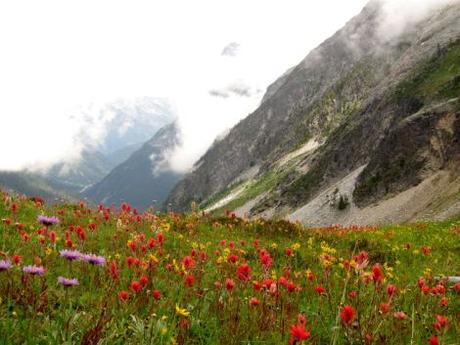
230, 49
399, 15
61, 59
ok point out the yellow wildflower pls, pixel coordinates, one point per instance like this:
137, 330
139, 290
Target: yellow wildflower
182, 311
153, 259
220, 260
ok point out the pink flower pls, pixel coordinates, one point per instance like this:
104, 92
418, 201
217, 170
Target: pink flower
400, 315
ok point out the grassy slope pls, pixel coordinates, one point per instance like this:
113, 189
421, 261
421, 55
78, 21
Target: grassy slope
252, 189
38, 310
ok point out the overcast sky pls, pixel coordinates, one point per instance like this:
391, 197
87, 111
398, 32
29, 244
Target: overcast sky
212, 59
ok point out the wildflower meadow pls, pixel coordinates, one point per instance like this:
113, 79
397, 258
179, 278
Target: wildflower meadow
75, 274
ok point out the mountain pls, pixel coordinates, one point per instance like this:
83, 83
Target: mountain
144, 179
119, 156
130, 123
30, 184
72, 176
365, 129
123, 127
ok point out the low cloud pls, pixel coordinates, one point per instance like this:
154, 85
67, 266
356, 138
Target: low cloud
239, 89
230, 49
398, 16
67, 132
219, 93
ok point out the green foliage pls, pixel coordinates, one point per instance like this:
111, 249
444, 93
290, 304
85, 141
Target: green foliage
302, 188
438, 78
370, 184
343, 203
263, 184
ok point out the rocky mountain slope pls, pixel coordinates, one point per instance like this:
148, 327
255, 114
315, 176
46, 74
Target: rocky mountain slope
31, 184
144, 179
362, 119
73, 176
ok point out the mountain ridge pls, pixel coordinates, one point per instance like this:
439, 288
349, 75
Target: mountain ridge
351, 86
144, 179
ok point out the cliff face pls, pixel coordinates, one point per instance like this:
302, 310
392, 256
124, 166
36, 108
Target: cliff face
387, 107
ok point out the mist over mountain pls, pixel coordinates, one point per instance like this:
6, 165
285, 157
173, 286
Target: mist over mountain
364, 129
108, 135
108, 139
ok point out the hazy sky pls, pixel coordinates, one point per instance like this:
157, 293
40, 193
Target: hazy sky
212, 59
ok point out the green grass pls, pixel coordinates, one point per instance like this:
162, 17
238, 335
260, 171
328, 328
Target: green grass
253, 189
438, 78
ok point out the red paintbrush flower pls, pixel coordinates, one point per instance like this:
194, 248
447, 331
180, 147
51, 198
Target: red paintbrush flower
203, 255
320, 290
441, 322
188, 262
257, 285
244, 272
265, 259
52, 236
391, 290
16, 259
151, 242
190, 280
123, 295
254, 302
433, 340
156, 294
229, 284
347, 314
135, 286
114, 270
426, 250
444, 302
291, 286
298, 333
160, 238
377, 274
384, 308
144, 280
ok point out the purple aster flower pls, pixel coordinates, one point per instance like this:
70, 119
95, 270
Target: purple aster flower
70, 255
5, 265
94, 259
67, 282
48, 221
34, 270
